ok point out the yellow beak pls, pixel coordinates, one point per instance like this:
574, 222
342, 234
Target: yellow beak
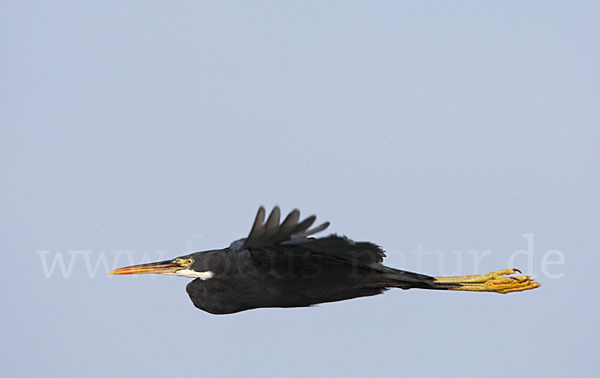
163, 267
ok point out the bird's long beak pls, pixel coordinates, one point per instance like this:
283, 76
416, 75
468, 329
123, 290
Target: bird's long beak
163, 267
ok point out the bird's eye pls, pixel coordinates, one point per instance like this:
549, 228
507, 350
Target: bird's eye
190, 261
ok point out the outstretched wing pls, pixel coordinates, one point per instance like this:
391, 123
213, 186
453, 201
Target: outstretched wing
272, 232
290, 238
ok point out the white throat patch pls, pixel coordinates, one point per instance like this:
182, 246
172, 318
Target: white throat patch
193, 274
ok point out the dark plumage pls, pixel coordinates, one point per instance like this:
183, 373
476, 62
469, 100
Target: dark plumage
280, 265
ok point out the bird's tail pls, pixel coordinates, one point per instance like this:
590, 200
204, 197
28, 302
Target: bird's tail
502, 281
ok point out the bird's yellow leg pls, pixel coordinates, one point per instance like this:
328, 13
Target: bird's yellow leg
501, 282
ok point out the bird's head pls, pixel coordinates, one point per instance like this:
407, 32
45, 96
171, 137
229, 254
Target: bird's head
185, 266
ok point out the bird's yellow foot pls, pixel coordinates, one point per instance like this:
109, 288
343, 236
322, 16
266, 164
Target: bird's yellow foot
498, 282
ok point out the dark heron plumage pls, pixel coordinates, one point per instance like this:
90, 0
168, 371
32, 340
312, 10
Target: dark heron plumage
280, 265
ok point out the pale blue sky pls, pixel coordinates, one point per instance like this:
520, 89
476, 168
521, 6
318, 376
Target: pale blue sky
158, 128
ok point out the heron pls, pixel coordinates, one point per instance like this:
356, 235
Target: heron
281, 264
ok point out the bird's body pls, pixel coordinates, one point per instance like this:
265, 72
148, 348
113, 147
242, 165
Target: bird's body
280, 265
292, 275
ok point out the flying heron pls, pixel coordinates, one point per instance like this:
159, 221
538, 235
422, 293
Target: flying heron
281, 265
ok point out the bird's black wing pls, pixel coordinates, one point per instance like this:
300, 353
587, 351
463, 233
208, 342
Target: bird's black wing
272, 232
273, 235
343, 249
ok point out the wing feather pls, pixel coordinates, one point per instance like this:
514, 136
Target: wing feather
317, 229
289, 224
272, 225
258, 228
305, 224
